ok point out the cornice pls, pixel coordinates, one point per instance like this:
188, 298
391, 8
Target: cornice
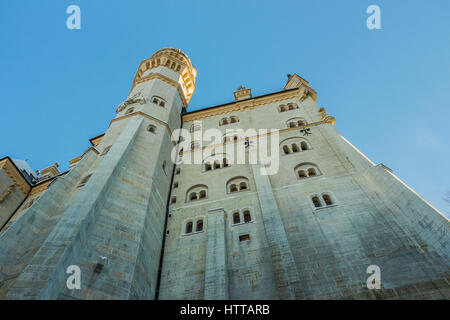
241, 105
14, 174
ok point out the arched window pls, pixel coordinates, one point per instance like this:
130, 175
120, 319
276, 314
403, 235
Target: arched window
236, 218
247, 216
295, 122
286, 150
327, 199
216, 164
295, 148
189, 227
307, 170
316, 201
178, 171
237, 184
174, 200
225, 162
207, 167
302, 174
304, 146
130, 110
197, 192
175, 184
199, 226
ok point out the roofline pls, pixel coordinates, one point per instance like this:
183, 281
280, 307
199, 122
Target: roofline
234, 102
100, 135
7, 157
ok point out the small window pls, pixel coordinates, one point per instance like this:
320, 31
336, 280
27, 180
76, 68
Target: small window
316, 201
129, 111
242, 186
244, 237
174, 200
178, 171
162, 104
286, 150
303, 146
189, 227
164, 167
295, 148
202, 194
105, 151
199, 226
151, 128
236, 218
233, 188
175, 184
225, 162
247, 216
327, 199
207, 167
312, 172
193, 196
301, 174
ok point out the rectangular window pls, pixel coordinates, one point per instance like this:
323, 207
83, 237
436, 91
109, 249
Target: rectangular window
244, 237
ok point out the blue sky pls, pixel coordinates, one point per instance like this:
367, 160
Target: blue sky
388, 89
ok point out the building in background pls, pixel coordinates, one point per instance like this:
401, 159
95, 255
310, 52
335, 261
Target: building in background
140, 227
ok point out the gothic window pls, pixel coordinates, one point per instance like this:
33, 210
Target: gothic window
237, 184
306, 170
189, 227
247, 216
199, 226
105, 151
236, 218
151, 128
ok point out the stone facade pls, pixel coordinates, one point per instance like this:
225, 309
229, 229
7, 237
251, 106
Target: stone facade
215, 231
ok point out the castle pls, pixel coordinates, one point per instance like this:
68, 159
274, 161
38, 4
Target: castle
139, 226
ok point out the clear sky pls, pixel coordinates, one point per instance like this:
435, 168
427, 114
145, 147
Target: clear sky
388, 89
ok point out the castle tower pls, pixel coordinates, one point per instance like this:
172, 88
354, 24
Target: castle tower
107, 214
